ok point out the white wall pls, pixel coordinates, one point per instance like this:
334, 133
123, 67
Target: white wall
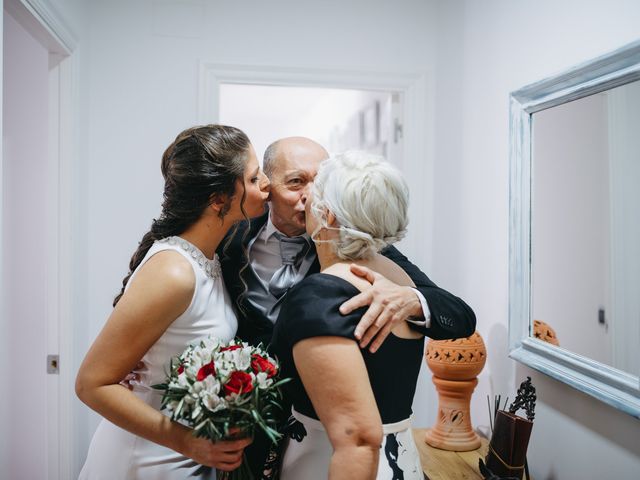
486, 50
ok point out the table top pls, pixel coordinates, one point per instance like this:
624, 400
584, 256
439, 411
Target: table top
445, 465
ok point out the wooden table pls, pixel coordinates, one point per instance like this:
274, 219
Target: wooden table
444, 465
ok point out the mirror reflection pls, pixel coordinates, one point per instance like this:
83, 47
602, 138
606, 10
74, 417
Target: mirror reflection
585, 231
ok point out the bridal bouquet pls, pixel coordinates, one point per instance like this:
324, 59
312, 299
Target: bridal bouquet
224, 391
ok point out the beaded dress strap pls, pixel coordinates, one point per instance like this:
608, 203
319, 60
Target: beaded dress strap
210, 267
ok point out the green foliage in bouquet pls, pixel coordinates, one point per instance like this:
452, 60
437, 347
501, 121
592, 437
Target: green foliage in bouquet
224, 390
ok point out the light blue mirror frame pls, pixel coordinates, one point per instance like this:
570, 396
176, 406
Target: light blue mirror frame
615, 387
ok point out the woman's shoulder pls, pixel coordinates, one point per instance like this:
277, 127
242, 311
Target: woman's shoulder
162, 287
328, 280
311, 308
172, 264
322, 285
167, 269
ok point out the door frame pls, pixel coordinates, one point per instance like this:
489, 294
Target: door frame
416, 90
41, 20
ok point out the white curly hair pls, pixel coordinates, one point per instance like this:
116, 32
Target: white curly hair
369, 199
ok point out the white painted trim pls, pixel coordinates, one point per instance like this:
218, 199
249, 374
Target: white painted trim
212, 75
69, 102
413, 85
57, 36
610, 385
51, 269
4, 376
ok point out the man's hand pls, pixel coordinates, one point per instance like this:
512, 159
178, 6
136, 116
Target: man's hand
133, 377
388, 302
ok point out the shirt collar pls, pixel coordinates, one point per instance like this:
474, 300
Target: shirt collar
270, 229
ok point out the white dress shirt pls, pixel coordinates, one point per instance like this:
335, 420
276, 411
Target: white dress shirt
265, 259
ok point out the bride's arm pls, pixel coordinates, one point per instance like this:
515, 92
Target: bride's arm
335, 377
160, 292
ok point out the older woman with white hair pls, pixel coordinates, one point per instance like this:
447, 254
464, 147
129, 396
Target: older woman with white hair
351, 408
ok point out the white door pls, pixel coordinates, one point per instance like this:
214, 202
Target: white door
31, 271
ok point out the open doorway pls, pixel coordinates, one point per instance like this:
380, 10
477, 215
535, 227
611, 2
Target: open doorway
409, 148
337, 118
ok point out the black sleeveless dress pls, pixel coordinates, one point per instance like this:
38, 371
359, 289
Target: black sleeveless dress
311, 310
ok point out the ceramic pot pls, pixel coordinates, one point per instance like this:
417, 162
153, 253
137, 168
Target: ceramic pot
455, 365
542, 331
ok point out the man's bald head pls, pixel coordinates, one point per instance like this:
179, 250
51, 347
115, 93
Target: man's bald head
300, 147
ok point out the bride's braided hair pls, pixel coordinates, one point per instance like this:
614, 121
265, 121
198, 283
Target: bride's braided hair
200, 165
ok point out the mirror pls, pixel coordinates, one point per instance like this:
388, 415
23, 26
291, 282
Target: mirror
574, 309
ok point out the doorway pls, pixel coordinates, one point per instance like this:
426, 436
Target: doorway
337, 118
410, 124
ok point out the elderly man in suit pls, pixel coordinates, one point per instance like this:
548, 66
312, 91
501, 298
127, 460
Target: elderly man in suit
252, 264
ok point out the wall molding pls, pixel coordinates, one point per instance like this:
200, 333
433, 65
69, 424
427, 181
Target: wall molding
53, 32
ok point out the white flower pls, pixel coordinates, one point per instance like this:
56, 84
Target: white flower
212, 401
211, 386
192, 371
224, 369
263, 381
245, 358
201, 356
211, 343
240, 359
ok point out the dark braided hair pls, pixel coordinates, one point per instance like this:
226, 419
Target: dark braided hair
202, 164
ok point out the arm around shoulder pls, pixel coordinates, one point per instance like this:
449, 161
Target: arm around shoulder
450, 316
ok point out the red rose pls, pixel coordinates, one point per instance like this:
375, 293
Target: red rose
180, 369
261, 364
239, 382
230, 348
205, 371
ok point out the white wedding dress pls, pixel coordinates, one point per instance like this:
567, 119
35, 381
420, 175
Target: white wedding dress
116, 454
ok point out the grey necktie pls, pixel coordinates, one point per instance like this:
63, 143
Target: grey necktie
292, 250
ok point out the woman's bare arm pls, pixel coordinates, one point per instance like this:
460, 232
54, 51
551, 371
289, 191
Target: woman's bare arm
160, 292
335, 377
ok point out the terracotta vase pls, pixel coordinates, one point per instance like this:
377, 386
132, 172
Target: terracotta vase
455, 365
542, 331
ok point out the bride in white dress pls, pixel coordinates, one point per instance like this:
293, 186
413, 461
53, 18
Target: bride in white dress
173, 296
